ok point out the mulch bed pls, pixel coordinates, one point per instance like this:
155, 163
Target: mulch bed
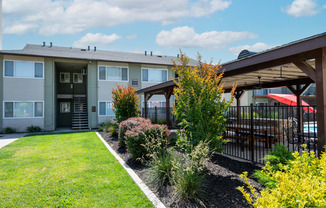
223, 178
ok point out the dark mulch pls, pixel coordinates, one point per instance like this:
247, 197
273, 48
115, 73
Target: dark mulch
223, 179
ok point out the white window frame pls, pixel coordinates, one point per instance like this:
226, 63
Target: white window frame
161, 69
22, 101
60, 78
14, 63
76, 82
106, 68
106, 103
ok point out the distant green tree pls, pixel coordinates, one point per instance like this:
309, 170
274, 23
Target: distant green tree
125, 102
200, 106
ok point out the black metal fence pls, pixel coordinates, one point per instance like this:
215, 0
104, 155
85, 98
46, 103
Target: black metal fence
158, 116
253, 131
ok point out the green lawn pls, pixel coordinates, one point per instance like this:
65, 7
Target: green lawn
65, 170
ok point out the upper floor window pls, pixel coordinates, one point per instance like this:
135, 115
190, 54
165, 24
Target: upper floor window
154, 75
23, 69
113, 73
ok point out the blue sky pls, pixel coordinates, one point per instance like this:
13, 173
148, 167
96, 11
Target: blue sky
217, 29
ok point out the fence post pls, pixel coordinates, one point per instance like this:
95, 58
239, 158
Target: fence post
252, 145
155, 114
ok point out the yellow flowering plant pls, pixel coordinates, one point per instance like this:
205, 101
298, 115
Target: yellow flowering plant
301, 183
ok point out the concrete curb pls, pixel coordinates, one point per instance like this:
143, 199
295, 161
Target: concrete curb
150, 195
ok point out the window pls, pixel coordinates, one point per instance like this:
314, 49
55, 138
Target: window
64, 107
154, 75
78, 78
23, 109
23, 69
105, 109
113, 73
64, 77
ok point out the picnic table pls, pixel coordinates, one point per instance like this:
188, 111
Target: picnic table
255, 133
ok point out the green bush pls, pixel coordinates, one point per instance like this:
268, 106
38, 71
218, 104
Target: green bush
162, 167
270, 114
128, 124
33, 129
125, 102
113, 131
139, 138
276, 159
9, 130
301, 183
107, 124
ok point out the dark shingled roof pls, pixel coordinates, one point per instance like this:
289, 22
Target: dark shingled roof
98, 55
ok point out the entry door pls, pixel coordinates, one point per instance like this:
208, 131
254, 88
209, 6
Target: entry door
64, 113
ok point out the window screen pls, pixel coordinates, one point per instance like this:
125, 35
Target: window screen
9, 109
102, 108
23, 109
9, 68
102, 75
124, 74
145, 75
39, 70
38, 109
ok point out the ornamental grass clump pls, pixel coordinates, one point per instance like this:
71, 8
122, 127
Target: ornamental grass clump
301, 183
190, 174
137, 136
128, 124
201, 107
125, 102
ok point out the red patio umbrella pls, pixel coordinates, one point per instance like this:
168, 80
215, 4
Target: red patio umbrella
291, 100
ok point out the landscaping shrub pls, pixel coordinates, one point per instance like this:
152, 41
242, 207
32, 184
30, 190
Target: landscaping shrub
138, 138
276, 159
125, 102
128, 124
109, 126
33, 129
201, 107
9, 130
301, 183
190, 178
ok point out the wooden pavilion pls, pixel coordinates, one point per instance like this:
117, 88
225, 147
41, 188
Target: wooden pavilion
295, 65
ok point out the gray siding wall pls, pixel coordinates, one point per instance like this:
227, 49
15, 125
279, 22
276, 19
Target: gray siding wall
49, 93
92, 94
22, 89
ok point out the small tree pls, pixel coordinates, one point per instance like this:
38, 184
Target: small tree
125, 102
200, 105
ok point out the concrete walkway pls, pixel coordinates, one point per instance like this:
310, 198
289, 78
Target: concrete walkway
6, 139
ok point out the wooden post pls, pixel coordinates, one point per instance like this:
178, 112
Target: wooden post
146, 98
238, 95
321, 99
167, 95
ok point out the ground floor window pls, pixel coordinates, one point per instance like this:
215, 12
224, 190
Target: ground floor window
64, 107
28, 109
153, 104
105, 109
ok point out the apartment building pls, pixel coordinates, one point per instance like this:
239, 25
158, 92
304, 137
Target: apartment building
52, 87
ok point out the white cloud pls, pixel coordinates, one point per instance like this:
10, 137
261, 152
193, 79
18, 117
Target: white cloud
73, 16
131, 37
96, 39
258, 47
186, 37
302, 8
19, 28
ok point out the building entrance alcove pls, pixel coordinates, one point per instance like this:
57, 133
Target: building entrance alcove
71, 95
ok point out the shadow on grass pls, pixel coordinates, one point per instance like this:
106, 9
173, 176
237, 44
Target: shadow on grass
56, 133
